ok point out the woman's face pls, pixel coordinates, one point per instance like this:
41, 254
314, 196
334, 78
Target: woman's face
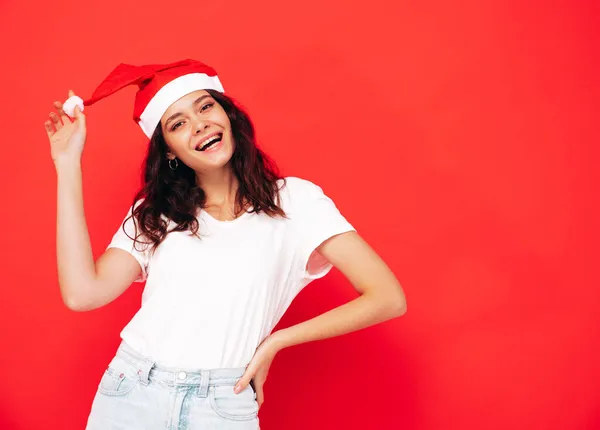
198, 132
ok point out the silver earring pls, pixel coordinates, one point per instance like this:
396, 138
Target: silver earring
176, 164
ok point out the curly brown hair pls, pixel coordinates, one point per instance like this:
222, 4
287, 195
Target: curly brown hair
174, 195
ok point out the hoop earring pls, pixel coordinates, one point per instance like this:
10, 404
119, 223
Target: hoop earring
176, 164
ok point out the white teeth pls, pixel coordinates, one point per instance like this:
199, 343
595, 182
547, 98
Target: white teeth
208, 142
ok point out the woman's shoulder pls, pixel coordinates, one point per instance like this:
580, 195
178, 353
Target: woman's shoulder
135, 206
294, 191
296, 185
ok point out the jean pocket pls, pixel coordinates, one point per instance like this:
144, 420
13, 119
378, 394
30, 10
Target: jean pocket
119, 378
227, 404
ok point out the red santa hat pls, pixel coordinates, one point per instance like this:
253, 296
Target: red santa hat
159, 87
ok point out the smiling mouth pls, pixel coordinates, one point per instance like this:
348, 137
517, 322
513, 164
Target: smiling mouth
203, 146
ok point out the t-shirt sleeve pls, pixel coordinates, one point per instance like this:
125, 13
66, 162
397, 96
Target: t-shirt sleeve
123, 239
316, 218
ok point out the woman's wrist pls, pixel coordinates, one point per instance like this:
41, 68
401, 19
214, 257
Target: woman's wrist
278, 340
66, 165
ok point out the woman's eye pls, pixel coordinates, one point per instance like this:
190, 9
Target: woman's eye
202, 109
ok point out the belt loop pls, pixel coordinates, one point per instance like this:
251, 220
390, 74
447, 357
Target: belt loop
204, 380
144, 371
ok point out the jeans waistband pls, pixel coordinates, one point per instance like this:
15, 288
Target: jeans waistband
148, 370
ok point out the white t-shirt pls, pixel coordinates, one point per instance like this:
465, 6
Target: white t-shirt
209, 302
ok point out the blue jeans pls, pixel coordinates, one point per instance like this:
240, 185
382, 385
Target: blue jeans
135, 393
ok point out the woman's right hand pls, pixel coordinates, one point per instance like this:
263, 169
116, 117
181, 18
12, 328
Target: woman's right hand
67, 137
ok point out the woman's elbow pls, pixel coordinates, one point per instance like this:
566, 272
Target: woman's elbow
401, 309
398, 306
75, 304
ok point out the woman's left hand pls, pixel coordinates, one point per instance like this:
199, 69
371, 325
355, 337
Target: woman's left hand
258, 368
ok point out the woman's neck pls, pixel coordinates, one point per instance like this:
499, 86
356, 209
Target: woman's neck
220, 187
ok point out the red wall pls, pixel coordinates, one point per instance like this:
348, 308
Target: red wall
460, 138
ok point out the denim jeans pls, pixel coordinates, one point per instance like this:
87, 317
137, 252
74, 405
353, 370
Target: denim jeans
136, 393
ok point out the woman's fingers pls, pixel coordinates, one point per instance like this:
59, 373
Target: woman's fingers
49, 128
55, 120
58, 120
58, 106
260, 396
63, 116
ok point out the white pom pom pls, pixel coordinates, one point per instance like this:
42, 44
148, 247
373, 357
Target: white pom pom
69, 105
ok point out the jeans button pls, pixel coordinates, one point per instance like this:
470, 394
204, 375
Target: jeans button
181, 375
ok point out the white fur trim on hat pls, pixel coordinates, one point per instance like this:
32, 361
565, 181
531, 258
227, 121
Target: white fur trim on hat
70, 103
172, 92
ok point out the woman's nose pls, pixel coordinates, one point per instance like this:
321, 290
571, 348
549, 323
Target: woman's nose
200, 125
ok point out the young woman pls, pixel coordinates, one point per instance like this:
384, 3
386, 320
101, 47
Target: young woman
224, 245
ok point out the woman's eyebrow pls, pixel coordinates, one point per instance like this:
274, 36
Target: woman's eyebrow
198, 100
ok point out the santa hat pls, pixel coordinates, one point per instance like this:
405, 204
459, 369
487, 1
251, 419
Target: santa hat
159, 87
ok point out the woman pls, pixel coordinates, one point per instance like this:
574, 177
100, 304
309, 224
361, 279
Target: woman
224, 245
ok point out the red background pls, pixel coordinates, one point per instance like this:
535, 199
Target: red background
460, 138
